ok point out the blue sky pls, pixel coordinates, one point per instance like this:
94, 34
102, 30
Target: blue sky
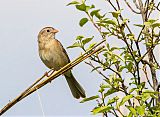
20, 22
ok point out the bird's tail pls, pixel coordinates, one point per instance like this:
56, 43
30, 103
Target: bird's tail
75, 87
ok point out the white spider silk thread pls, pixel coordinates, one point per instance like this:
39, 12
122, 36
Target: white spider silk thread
40, 102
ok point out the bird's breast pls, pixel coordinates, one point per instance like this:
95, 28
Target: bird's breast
53, 56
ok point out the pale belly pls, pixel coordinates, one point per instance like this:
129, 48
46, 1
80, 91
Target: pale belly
53, 58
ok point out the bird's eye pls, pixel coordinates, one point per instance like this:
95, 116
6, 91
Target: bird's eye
48, 30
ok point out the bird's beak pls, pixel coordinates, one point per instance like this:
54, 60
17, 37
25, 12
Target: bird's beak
55, 31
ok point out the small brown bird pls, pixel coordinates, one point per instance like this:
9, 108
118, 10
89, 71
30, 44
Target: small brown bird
55, 57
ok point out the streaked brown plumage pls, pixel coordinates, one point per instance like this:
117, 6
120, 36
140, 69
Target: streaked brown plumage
54, 56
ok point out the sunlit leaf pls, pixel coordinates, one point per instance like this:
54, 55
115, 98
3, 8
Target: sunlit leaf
139, 25
140, 110
111, 101
92, 45
156, 25
125, 98
76, 44
73, 3
83, 7
94, 12
85, 41
132, 110
89, 99
102, 109
109, 92
131, 90
145, 96
147, 23
110, 22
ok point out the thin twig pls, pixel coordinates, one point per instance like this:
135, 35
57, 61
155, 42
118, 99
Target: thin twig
90, 64
136, 4
158, 6
145, 72
151, 48
131, 7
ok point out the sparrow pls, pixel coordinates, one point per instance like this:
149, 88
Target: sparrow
54, 56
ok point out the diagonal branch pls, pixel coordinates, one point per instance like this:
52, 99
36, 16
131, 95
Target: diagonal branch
36, 85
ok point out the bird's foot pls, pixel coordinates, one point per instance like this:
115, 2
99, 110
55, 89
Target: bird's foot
48, 74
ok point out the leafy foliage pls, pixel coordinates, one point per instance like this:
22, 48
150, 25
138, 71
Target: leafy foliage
128, 70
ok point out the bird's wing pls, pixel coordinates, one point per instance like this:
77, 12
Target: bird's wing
62, 48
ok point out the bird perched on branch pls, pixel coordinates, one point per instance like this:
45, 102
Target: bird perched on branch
55, 57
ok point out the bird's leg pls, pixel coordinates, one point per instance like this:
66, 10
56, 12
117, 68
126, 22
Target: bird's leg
47, 73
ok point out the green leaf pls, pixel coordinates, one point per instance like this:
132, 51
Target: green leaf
131, 90
121, 68
81, 7
105, 86
152, 21
76, 44
73, 3
129, 66
89, 99
98, 15
92, 6
150, 91
147, 23
116, 14
154, 96
111, 101
85, 41
140, 110
83, 21
101, 90
110, 22
139, 25
88, 8
101, 24
80, 37
132, 110
94, 12
102, 109
131, 36
125, 21
92, 45
145, 96
126, 98
130, 114
110, 91
118, 80
156, 25
141, 86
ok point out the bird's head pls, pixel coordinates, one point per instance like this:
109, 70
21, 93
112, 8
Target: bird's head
47, 33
